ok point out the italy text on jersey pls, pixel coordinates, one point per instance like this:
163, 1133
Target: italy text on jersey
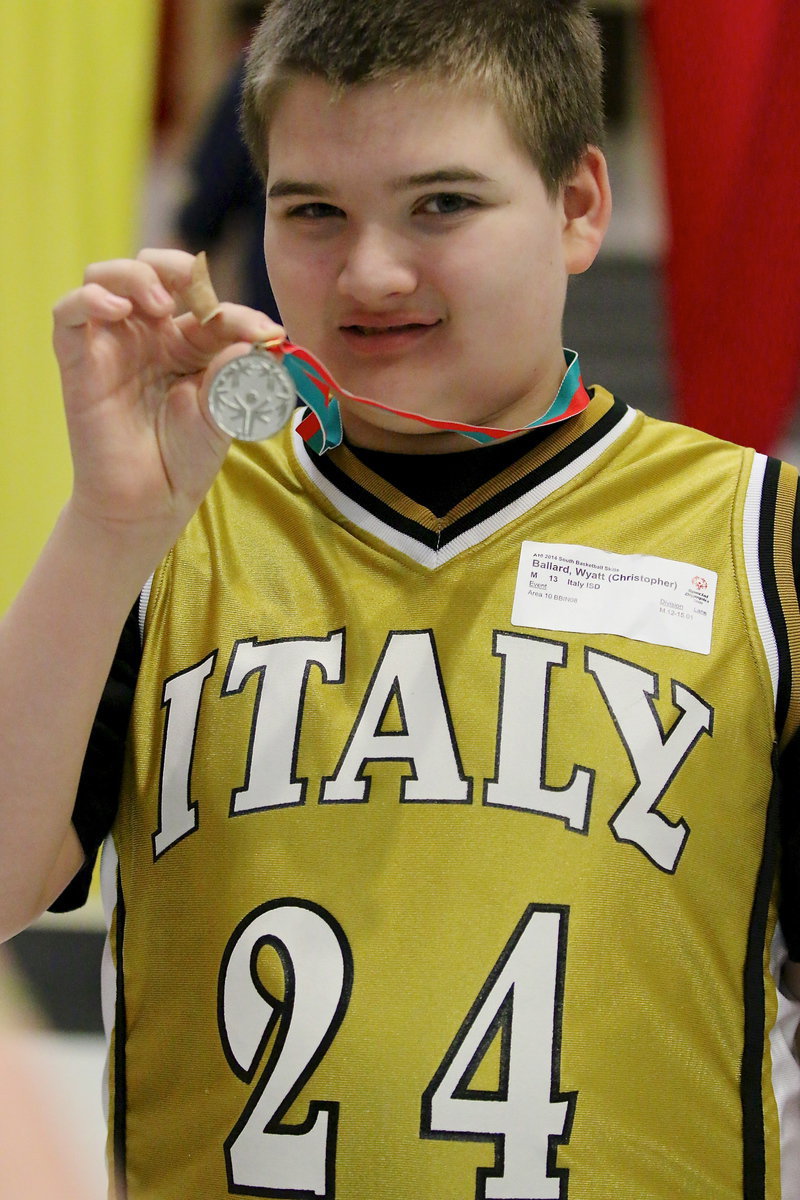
408, 672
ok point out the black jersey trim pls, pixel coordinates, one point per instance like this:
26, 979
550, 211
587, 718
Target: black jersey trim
540, 474
789, 902
766, 556
753, 1139
120, 1128
789, 905
438, 538
377, 507
97, 796
449, 480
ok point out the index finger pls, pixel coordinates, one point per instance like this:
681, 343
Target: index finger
173, 267
186, 275
208, 325
231, 323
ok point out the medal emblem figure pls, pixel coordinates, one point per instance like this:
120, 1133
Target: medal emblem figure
253, 396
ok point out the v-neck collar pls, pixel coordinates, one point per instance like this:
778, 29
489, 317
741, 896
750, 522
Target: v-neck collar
377, 507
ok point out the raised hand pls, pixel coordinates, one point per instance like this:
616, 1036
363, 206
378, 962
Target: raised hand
135, 379
135, 375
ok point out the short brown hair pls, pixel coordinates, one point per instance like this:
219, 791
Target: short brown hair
539, 60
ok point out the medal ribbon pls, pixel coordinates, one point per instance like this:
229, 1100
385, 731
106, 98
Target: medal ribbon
322, 425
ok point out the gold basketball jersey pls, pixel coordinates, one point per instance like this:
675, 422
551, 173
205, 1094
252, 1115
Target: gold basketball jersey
445, 861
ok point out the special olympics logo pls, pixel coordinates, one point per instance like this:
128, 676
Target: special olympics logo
700, 583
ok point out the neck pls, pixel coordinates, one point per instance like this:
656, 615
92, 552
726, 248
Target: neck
556, 396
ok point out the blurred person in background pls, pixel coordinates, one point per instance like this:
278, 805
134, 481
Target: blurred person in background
225, 197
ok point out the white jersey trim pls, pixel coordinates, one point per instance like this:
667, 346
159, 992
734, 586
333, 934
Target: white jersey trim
109, 864
750, 542
425, 556
144, 600
786, 1073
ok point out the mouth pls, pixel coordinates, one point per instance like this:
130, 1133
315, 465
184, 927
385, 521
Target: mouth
377, 340
369, 331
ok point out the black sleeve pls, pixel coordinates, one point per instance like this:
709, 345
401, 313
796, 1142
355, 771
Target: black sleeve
98, 790
789, 792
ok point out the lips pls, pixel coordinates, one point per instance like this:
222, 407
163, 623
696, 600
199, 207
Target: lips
396, 327
377, 336
375, 331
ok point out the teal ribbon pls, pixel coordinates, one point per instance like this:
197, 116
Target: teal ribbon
320, 393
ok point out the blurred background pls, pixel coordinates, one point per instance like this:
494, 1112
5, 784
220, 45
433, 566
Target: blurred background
118, 130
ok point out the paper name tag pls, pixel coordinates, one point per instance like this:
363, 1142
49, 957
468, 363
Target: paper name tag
578, 589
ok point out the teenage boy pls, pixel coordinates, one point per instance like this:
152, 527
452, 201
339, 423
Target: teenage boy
445, 857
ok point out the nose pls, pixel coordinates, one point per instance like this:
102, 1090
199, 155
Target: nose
378, 265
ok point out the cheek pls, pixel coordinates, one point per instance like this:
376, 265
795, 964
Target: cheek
512, 267
297, 277
471, 280
534, 282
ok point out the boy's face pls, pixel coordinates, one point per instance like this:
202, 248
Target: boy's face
412, 246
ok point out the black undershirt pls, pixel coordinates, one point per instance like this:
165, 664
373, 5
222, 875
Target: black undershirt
441, 481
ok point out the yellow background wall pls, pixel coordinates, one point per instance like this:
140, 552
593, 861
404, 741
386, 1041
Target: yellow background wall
76, 91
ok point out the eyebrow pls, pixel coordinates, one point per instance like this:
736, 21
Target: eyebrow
296, 187
443, 175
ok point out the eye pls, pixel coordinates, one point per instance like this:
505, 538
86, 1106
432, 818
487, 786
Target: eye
314, 210
447, 204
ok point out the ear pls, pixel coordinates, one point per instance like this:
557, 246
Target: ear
586, 201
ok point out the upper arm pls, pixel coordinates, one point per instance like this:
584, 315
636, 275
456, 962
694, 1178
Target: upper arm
70, 859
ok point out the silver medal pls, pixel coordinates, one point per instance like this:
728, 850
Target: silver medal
252, 397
